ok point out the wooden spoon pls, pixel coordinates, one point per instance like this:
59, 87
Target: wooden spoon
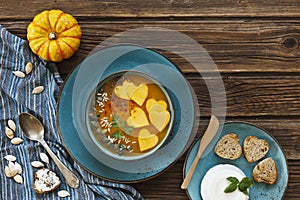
209, 134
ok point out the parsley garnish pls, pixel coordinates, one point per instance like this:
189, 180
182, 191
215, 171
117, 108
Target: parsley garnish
117, 134
116, 123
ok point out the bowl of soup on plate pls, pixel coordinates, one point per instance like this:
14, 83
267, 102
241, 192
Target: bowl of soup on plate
130, 115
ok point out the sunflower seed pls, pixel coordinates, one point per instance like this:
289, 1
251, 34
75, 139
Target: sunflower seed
44, 158
37, 164
16, 140
63, 193
9, 133
10, 158
19, 74
18, 178
28, 68
18, 167
38, 90
11, 125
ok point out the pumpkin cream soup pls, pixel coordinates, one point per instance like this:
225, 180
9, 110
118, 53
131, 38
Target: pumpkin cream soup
133, 113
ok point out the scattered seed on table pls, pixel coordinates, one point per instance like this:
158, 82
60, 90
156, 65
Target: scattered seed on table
16, 140
28, 68
8, 172
19, 74
9, 133
10, 158
18, 167
18, 178
44, 158
11, 124
38, 90
37, 164
63, 193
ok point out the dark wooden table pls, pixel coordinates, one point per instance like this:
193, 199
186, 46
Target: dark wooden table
255, 45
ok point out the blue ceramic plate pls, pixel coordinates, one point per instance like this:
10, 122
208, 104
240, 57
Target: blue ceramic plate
157, 162
260, 191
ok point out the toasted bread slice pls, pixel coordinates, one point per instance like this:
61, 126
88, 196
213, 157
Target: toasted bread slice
254, 148
265, 171
228, 147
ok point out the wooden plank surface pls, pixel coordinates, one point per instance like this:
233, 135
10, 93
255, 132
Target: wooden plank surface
234, 45
254, 44
154, 9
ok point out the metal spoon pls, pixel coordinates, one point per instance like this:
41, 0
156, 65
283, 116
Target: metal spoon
34, 130
207, 137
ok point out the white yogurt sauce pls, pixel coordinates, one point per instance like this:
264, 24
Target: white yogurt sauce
214, 183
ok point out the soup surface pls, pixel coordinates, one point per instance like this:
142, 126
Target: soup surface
133, 114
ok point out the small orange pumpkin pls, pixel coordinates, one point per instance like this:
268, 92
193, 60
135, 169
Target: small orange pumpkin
54, 35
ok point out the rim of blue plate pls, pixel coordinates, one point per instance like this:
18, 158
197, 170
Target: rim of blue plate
234, 122
181, 93
147, 177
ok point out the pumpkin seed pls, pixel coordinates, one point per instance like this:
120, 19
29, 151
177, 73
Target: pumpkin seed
10, 158
9, 133
16, 140
28, 68
9, 173
11, 166
38, 90
12, 125
19, 74
63, 193
37, 164
18, 178
44, 158
18, 167
10, 170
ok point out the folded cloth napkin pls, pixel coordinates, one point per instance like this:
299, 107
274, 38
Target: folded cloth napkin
16, 97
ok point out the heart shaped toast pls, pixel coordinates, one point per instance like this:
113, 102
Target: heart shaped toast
254, 148
123, 91
139, 94
265, 171
158, 104
147, 140
159, 119
228, 147
137, 118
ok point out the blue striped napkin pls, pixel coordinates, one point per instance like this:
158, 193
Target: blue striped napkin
16, 97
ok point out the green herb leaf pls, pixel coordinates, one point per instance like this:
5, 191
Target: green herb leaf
242, 185
116, 117
245, 184
233, 179
246, 192
117, 134
128, 129
230, 188
123, 124
115, 124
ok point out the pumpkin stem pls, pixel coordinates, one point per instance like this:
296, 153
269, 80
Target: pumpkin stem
53, 36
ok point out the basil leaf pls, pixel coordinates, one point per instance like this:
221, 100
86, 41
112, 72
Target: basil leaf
245, 184
230, 188
233, 179
246, 192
